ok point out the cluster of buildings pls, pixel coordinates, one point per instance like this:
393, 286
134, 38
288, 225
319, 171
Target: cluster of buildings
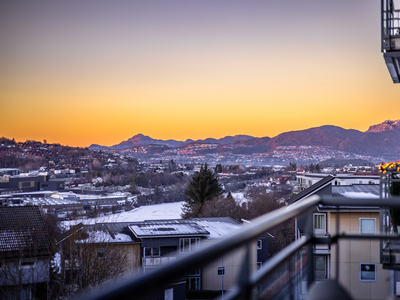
149, 242
126, 242
59, 158
235, 154
309, 154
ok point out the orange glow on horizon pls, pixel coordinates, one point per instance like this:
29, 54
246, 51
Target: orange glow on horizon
98, 73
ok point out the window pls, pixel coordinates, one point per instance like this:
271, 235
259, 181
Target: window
187, 245
27, 263
259, 244
319, 224
367, 225
151, 251
319, 263
220, 271
320, 267
101, 253
168, 251
26, 184
193, 283
367, 272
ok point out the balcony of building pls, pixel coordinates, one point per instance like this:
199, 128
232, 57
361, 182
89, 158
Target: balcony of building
390, 17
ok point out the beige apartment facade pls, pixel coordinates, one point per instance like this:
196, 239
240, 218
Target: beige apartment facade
360, 270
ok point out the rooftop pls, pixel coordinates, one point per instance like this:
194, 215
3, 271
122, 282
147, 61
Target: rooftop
23, 232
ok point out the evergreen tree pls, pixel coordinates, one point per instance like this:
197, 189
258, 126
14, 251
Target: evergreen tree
202, 187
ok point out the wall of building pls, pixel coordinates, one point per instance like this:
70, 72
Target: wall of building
13, 273
233, 266
353, 252
132, 251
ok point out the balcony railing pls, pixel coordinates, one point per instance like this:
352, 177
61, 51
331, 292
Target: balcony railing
390, 42
288, 273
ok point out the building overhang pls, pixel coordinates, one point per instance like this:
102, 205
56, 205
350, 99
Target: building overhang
392, 60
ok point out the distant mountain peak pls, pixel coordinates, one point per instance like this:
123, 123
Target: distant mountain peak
388, 125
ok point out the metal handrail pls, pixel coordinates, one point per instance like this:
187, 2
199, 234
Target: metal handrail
147, 283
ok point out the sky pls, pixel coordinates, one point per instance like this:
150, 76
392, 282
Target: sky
84, 72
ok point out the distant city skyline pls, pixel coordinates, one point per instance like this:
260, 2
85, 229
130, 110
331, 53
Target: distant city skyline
97, 72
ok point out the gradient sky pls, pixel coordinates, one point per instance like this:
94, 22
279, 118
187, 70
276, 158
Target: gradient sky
83, 72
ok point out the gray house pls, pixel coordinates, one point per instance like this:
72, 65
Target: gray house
25, 253
164, 241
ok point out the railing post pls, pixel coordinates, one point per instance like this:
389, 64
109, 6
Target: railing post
244, 275
337, 244
309, 232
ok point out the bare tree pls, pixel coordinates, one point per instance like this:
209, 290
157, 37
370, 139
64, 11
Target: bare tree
223, 207
91, 258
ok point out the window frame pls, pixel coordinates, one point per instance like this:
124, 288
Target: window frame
321, 274
360, 270
27, 263
152, 252
101, 253
197, 283
191, 246
324, 262
259, 244
319, 231
360, 227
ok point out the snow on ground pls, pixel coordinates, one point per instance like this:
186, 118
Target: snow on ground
239, 197
164, 211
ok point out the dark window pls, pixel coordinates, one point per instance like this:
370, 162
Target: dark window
259, 244
188, 244
148, 252
101, 253
167, 251
27, 263
193, 283
367, 272
221, 271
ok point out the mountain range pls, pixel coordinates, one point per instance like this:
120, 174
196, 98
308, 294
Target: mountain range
379, 140
143, 140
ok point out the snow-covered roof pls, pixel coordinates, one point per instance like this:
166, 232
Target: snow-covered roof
163, 220
164, 211
218, 227
23, 231
152, 229
105, 237
211, 228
